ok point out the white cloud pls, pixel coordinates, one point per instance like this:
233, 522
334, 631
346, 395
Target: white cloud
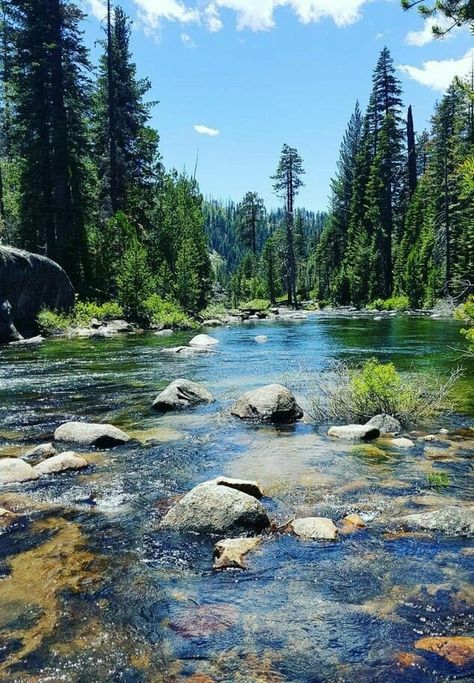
439, 74
256, 15
97, 8
426, 35
212, 19
151, 12
187, 40
205, 130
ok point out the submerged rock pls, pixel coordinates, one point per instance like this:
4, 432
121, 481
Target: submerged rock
216, 508
354, 432
61, 463
261, 339
452, 521
386, 424
272, 403
203, 340
91, 434
230, 552
16, 471
354, 520
458, 650
182, 393
188, 350
164, 333
316, 528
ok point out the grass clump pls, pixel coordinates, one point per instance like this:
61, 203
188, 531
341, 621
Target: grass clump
53, 322
167, 313
357, 393
438, 480
256, 305
394, 303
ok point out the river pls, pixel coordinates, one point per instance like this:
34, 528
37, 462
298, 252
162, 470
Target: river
91, 590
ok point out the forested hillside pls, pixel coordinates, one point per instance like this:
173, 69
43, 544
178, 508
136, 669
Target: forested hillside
81, 176
82, 181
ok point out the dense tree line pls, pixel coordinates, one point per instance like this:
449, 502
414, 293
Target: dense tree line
81, 179
401, 219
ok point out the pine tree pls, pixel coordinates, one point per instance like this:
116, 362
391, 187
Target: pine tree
251, 213
287, 183
412, 155
126, 146
49, 98
135, 282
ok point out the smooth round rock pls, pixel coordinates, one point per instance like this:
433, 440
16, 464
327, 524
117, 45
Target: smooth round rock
61, 463
16, 471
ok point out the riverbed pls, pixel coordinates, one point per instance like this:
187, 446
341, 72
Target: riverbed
91, 590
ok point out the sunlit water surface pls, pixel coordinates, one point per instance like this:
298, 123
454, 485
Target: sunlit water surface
92, 590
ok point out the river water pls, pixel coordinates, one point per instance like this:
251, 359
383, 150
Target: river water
91, 590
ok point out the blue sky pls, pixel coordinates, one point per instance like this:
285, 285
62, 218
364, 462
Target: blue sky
236, 79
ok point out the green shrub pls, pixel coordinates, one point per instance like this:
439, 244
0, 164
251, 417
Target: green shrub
357, 393
438, 480
256, 305
465, 313
394, 303
213, 311
168, 313
85, 311
53, 322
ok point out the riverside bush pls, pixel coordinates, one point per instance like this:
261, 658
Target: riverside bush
167, 313
256, 305
465, 313
357, 393
394, 303
54, 322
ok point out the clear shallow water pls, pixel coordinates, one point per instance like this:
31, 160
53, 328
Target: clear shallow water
90, 590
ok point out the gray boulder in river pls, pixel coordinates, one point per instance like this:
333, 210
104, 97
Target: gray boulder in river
217, 508
354, 432
16, 471
272, 403
91, 434
386, 424
31, 282
182, 393
452, 521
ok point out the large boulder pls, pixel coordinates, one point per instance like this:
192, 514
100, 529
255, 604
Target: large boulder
215, 508
91, 434
272, 403
354, 432
452, 521
31, 282
182, 393
386, 424
8, 331
16, 471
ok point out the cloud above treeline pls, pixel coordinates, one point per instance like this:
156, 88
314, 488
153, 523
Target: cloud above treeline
439, 74
255, 15
205, 130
